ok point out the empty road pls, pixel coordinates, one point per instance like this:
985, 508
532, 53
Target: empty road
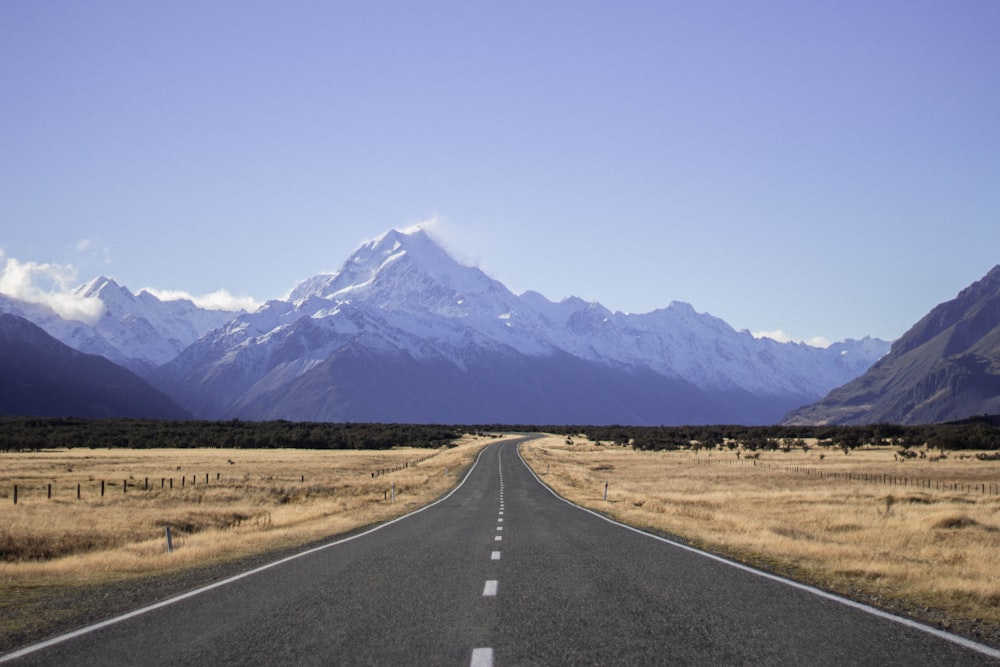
502, 572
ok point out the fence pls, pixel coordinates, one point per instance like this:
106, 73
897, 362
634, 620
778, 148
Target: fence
887, 479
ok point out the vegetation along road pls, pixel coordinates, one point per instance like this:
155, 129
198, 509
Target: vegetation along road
503, 572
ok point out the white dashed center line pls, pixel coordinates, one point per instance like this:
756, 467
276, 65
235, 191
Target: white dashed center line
498, 538
490, 589
482, 657
495, 555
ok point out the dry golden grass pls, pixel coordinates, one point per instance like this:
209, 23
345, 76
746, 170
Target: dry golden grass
903, 546
262, 500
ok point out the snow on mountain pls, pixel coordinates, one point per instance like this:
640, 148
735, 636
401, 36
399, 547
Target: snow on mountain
402, 297
138, 331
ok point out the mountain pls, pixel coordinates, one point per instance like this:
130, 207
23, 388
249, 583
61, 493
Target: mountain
946, 367
137, 331
404, 333
43, 377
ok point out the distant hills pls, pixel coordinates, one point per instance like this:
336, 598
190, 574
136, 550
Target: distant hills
39, 376
946, 367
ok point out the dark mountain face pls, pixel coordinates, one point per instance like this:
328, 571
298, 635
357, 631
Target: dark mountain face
359, 383
947, 366
39, 376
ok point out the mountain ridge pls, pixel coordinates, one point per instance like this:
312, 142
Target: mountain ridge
402, 297
43, 377
945, 367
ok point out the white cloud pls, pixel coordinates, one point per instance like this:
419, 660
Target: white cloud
777, 335
818, 341
782, 337
220, 299
49, 285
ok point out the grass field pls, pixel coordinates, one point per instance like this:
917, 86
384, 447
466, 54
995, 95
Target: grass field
930, 546
219, 503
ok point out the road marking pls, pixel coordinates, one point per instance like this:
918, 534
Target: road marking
499, 528
500, 520
482, 657
495, 555
490, 589
498, 538
501, 512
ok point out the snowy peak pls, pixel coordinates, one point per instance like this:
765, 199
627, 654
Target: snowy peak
407, 270
366, 262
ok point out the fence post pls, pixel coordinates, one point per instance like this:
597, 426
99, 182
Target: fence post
393, 492
124, 486
605, 489
77, 491
50, 492
15, 494
170, 541
102, 488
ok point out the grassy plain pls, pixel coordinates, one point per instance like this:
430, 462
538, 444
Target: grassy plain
929, 552
255, 501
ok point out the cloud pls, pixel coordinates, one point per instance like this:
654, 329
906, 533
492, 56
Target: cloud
782, 337
49, 285
220, 299
777, 335
818, 341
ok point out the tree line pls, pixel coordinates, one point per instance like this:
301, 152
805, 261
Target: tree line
35, 433
981, 432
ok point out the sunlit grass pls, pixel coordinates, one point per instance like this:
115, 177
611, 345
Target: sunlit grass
254, 501
932, 547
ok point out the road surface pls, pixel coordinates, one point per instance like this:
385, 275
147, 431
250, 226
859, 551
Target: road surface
502, 572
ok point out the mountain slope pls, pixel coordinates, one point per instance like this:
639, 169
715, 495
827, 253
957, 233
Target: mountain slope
402, 332
137, 331
947, 366
43, 377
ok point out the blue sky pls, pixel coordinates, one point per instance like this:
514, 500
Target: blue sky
826, 169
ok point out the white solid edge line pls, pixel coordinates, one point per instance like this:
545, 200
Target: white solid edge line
183, 596
874, 611
482, 657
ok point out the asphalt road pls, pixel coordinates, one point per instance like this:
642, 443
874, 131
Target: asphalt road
503, 572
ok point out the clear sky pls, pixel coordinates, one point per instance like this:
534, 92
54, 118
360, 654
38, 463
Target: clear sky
826, 169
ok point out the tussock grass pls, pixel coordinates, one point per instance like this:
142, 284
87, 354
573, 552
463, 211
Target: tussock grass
897, 546
263, 500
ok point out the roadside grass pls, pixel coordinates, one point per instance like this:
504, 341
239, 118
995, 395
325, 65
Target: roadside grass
928, 552
256, 501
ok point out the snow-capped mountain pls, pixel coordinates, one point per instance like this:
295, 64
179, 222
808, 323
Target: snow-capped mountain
402, 332
137, 331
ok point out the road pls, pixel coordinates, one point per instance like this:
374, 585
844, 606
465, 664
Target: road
502, 572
